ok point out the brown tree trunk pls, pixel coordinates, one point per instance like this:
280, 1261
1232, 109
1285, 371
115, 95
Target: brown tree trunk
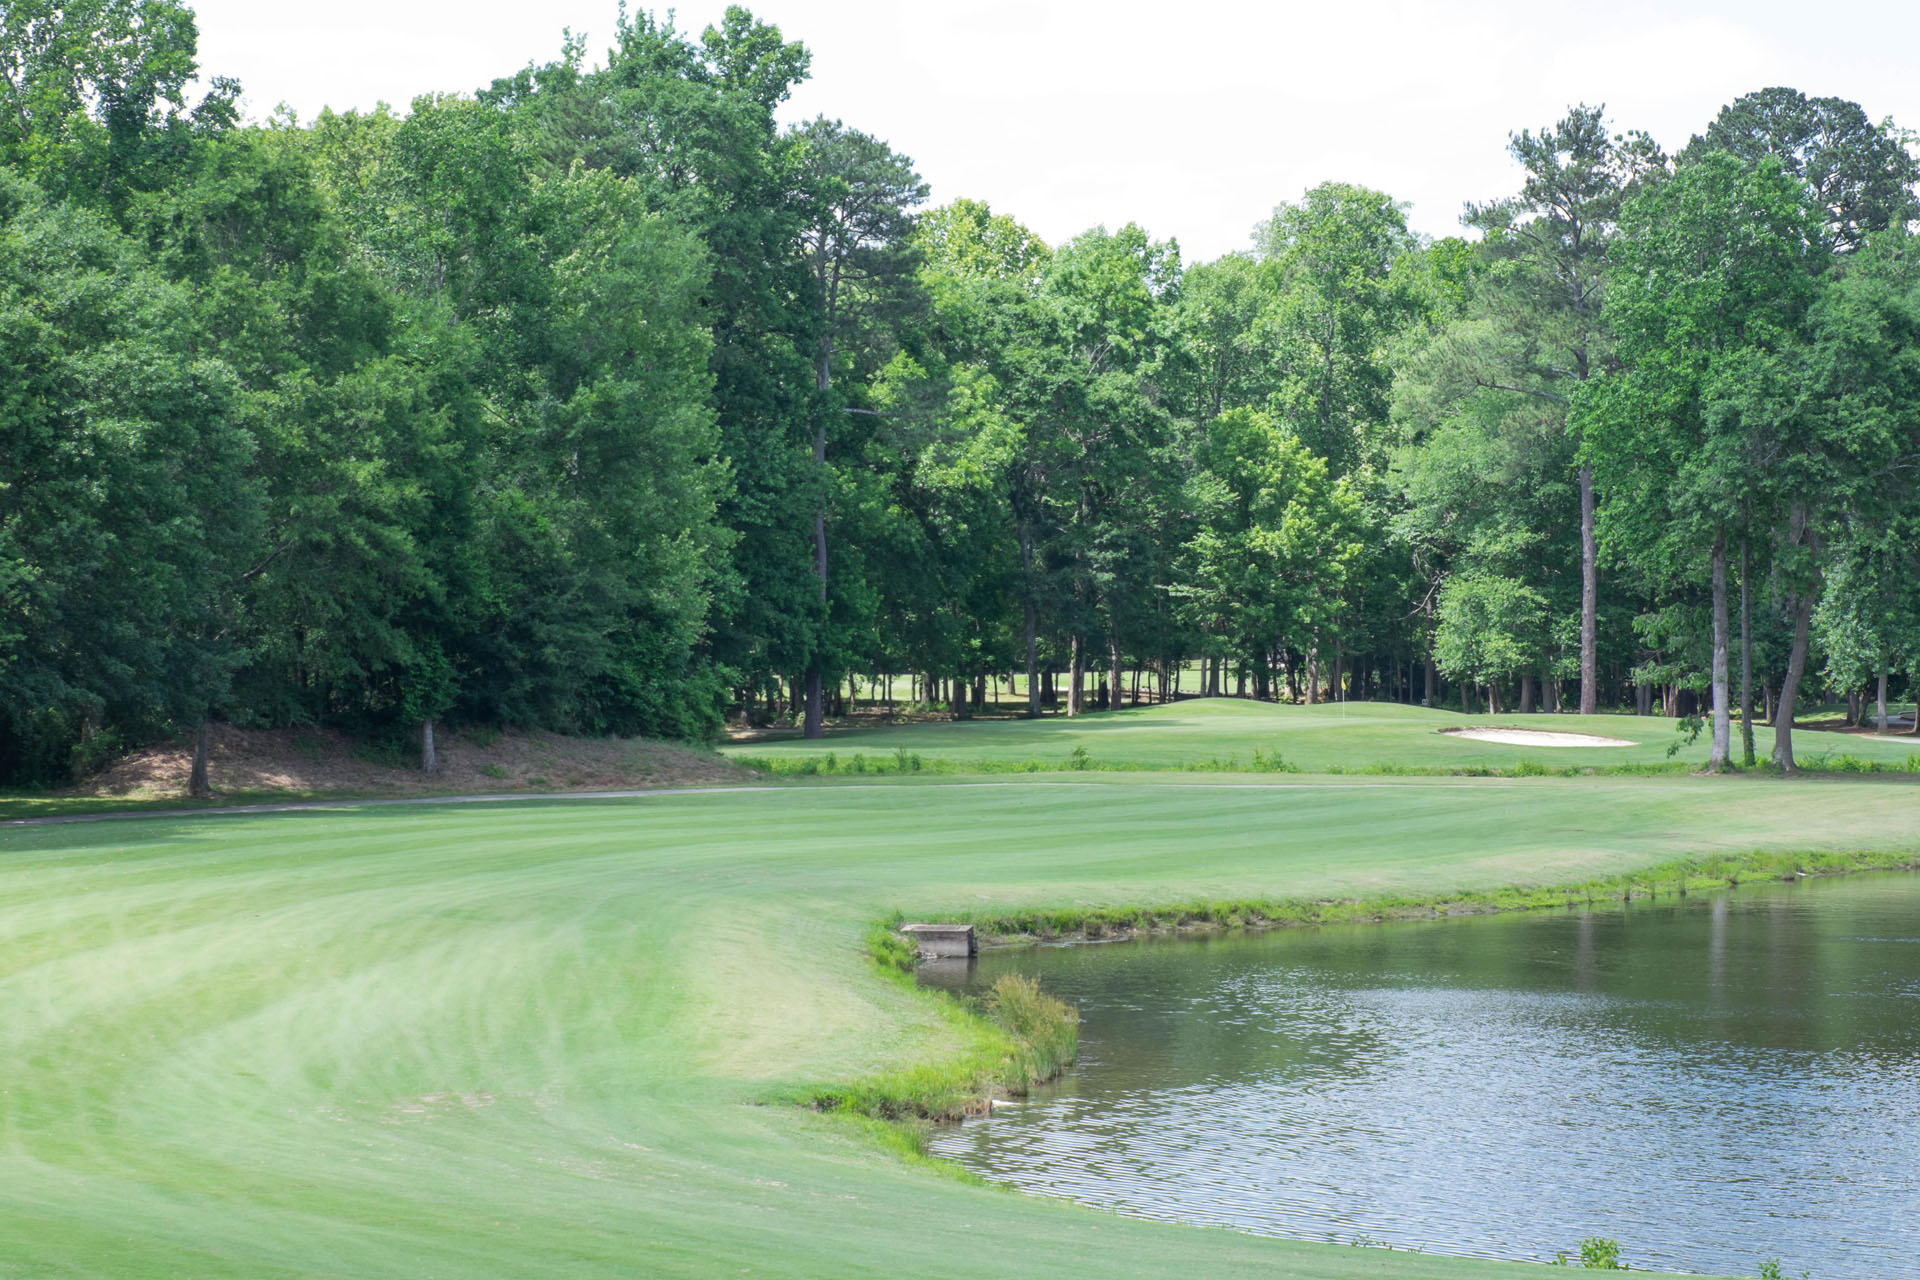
197, 784
1589, 600
1076, 677
1800, 532
1032, 611
1880, 708
429, 759
1430, 696
1313, 675
1790, 684
1746, 661
1722, 750
816, 720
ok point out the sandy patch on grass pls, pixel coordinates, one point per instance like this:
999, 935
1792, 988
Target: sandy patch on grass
1538, 738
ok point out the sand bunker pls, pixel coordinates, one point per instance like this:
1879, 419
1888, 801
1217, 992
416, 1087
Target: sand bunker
1537, 738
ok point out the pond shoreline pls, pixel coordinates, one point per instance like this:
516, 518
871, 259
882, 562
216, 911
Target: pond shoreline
906, 1101
1677, 878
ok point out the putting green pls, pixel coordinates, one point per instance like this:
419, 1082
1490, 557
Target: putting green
528, 1039
1351, 736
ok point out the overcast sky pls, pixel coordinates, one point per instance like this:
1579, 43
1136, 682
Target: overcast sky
1190, 117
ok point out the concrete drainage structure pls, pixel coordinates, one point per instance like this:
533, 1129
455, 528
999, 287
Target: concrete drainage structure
942, 941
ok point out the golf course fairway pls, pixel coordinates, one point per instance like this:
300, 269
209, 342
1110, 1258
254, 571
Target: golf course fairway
561, 1038
1210, 733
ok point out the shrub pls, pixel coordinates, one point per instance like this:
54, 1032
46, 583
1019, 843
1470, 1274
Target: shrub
1265, 761
892, 949
1597, 1253
1045, 1030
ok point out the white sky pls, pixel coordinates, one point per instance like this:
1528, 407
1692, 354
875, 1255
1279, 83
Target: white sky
1191, 118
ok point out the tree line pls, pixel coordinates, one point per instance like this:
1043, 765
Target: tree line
599, 401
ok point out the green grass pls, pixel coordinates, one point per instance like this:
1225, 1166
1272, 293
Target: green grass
562, 1038
1225, 733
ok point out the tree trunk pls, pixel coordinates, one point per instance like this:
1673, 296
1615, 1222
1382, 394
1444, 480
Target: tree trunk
1881, 707
1032, 611
816, 721
1790, 684
1493, 699
429, 760
1430, 695
1746, 661
823, 379
197, 785
1722, 723
1589, 600
1076, 678
1313, 675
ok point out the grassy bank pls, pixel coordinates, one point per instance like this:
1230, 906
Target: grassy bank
523, 1039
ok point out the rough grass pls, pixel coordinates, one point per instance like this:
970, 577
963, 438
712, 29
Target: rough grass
525, 1039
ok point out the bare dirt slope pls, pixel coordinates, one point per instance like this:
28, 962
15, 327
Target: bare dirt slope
325, 762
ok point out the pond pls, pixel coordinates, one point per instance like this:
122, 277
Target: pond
1711, 1081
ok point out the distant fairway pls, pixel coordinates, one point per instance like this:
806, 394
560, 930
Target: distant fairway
1350, 736
524, 1039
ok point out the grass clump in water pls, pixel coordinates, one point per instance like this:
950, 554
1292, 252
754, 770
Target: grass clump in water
1045, 1028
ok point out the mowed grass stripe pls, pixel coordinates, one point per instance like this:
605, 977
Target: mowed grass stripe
526, 1040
